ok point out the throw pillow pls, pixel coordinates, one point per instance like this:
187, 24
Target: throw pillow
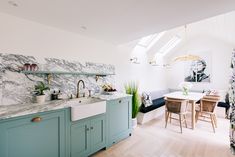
146, 99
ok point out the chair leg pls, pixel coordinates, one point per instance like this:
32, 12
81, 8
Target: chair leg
196, 116
167, 116
212, 122
227, 113
185, 121
170, 117
180, 124
215, 120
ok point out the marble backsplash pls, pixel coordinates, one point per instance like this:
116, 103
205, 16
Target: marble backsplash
17, 87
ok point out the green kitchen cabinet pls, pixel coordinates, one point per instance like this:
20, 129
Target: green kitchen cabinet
53, 134
98, 139
80, 139
36, 135
119, 124
87, 136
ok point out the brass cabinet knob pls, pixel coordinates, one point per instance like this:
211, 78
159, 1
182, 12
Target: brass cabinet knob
120, 101
37, 119
92, 128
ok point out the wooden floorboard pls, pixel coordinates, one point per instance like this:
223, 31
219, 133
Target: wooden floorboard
154, 140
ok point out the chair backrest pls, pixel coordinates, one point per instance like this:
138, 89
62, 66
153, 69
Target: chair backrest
208, 104
176, 105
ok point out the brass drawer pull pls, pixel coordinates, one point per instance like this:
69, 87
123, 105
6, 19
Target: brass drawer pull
37, 119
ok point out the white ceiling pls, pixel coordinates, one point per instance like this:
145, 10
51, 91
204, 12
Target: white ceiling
116, 21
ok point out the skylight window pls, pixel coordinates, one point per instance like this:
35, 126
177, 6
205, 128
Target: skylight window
149, 41
145, 41
170, 45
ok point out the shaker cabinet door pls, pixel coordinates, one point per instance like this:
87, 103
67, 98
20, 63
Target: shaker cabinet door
118, 120
80, 139
41, 135
98, 139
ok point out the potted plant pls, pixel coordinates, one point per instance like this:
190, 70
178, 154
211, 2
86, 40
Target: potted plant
132, 89
39, 92
185, 86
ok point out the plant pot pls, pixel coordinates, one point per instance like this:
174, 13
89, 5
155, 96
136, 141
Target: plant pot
40, 99
134, 122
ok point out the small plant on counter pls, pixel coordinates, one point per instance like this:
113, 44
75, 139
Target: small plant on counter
40, 88
39, 92
132, 89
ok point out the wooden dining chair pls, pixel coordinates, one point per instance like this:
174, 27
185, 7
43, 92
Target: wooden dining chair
176, 106
206, 110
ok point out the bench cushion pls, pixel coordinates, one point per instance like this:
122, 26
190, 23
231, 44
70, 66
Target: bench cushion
223, 104
156, 104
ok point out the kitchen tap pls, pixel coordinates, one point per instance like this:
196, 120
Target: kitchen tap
78, 88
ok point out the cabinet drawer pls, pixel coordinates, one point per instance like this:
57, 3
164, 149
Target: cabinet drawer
120, 101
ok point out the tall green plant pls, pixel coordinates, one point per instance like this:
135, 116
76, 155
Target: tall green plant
132, 89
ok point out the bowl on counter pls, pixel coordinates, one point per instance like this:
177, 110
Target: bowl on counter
109, 93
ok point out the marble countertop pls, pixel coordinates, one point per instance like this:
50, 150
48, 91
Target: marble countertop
116, 95
11, 111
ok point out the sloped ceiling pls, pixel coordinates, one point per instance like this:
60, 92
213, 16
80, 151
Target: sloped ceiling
116, 21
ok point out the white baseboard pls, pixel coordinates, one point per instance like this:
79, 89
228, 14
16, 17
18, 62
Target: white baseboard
145, 117
220, 112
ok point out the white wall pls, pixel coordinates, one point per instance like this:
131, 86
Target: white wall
220, 51
215, 36
21, 36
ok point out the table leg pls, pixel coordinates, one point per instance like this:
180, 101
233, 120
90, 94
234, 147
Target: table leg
165, 114
193, 114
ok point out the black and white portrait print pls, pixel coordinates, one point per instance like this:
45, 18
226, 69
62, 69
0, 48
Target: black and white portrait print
198, 71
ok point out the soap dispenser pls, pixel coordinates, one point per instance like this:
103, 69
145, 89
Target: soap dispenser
54, 95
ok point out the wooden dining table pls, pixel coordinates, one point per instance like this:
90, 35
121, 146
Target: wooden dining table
193, 97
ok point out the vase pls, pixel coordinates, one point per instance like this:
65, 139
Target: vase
185, 91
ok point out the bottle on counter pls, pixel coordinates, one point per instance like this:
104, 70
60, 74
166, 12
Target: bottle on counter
54, 95
60, 96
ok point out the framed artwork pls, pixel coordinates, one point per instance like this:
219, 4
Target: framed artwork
199, 70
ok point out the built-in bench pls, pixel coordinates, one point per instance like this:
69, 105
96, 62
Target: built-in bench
226, 106
155, 110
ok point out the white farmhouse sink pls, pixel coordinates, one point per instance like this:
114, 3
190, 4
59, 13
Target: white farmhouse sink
86, 107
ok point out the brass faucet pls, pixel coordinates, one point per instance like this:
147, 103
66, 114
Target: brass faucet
78, 90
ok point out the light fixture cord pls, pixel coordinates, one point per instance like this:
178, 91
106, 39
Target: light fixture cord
186, 37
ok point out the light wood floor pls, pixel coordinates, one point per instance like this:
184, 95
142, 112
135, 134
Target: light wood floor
153, 140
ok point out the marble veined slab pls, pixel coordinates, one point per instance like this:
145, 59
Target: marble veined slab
17, 88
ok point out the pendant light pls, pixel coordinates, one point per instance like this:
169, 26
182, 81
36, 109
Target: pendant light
186, 57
